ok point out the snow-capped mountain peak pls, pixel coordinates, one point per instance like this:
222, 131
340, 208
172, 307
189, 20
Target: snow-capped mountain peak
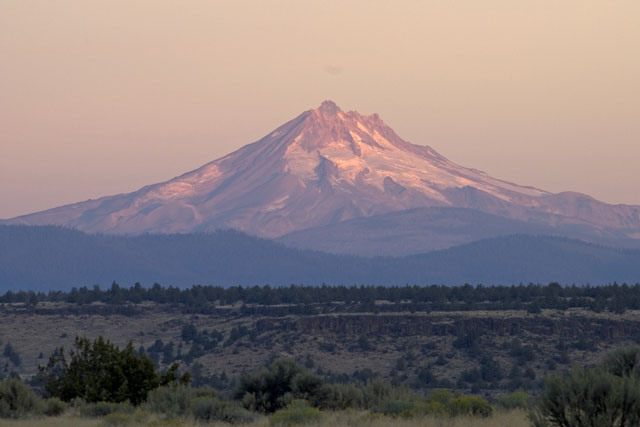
322, 167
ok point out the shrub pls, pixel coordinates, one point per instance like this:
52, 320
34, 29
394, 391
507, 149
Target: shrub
589, 396
272, 387
516, 400
99, 371
177, 400
441, 396
172, 400
54, 407
375, 393
213, 409
606, 395
102, 409
17, 400
342, 396
624, 362
469, 405
296, 413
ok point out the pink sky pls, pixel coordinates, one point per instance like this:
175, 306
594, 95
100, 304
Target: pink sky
98, 98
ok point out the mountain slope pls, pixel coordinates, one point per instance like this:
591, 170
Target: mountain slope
46, 258
323, 167
420, 230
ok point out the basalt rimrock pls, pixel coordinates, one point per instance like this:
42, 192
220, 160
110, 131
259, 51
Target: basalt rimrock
402, 325
324, 167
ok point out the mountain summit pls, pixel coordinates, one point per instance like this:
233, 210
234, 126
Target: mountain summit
323, 167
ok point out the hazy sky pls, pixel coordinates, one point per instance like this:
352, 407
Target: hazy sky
103, 97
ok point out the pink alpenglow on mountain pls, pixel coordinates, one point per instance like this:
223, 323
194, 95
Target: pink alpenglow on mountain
323, 167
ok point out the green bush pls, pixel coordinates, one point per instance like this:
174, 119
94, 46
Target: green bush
296, 413
54, 407
342, 396
469, 405
272, 387
624, 362
98, 371
212, 409
102, 409
178, 400
589, 396
17, 400
375, 392
172, 400
606, 395
516, 400
441, 396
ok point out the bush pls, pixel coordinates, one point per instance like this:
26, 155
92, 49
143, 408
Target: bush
98, 371
296, 413
395, 408
375, 393
178, 400
272, 387
516, 400
102, 409
589, 396
172, 400
469, 405
606, 395
624, 362
213, 409
54, 407
441, 396
17, 400
342, 396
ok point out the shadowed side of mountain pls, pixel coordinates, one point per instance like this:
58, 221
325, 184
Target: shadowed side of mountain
47, 258
420, 230
525, 258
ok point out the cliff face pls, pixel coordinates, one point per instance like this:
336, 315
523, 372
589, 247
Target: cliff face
566, 327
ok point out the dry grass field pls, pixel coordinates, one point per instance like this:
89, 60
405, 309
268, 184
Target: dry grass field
336, 419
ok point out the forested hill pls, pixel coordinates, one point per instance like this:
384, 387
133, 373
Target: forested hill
44, 258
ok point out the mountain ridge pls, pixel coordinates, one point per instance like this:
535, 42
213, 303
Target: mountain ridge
44, 258
420, 230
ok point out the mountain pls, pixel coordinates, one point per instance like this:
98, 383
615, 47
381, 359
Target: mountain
321, 168
48, 258
419, 230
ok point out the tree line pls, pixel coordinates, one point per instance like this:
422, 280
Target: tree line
532, 297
